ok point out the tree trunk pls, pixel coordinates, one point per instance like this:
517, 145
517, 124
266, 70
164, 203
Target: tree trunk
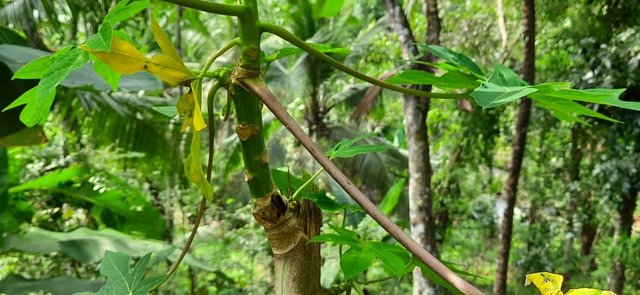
623, 232
415, 111
574, 194
518, 145
288, 225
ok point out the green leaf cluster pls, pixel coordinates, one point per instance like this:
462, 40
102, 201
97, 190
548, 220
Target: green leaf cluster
503, 86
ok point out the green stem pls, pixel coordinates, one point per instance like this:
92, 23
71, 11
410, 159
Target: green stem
374, 281
217, 54
215, 8
306, 183
291, 38
249, 108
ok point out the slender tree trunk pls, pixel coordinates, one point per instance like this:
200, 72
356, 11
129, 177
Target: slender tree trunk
415, 111
623, 232
518, 145
574, 194
288, 225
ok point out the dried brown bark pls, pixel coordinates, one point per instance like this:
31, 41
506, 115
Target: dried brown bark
416, 109
518, 146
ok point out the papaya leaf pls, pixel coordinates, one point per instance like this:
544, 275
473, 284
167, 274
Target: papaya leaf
124, 58
163, 41
106, 73
169, 111
338, 239
198, 118
504, 76
455, 58
102, 40
327, 8
124, 10
449, 80
586, 291
491, 95
354, 261
548, 283
391, 262
346, 148
193, 168
390, 200
124, 280
34, 69
39, 99
569, 110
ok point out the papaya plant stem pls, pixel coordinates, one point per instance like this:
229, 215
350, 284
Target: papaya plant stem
220, 52
293, 39
262, 91
215, 8
210, 100
305, 184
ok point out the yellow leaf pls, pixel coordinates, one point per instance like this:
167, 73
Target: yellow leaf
168, 66
163, 41
548, 283
124, 58
198, 118
193, 168
185, 107
169, 70
586, 291
189, 107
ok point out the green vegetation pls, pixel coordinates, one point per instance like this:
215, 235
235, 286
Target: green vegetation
119, 174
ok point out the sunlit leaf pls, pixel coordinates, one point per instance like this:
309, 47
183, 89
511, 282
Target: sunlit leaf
102, 40
34, 69
39, 99
124, 10
327, 8
124, 57
548, 283
106, 73
586, 291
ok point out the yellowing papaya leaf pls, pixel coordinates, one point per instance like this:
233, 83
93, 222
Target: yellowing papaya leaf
168, 66
586, 291
548, 283
124, 58
185, 108
198, 118
169, 70
193, 168
163, 41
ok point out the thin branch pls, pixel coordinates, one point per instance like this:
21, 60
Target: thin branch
217, 54
203, 202
260, 89
215, 8
291, 38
